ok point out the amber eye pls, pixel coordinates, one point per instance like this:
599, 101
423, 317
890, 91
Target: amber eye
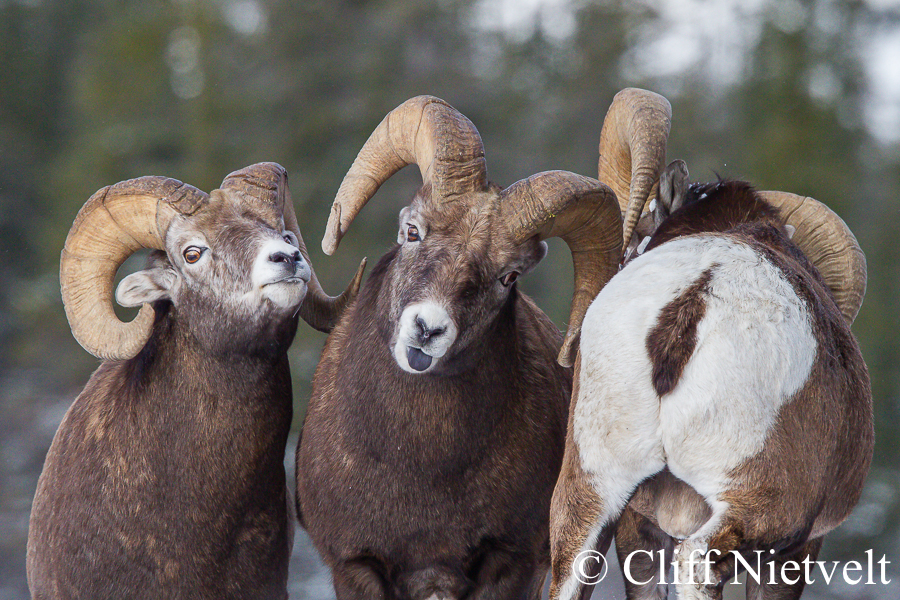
412, 234
288, 238
192, 255
509, 278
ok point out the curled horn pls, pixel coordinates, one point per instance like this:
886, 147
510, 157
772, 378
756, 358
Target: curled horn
113, 224
267, 183
633, 150
585, 214
424, 131
827, 241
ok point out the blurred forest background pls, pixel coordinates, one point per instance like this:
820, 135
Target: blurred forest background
795, 95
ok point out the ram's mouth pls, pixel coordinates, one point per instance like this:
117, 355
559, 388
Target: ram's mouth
417, 359
301, 276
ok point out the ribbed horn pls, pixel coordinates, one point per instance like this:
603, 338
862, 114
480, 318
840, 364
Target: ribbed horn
585, 214
267, 183
425, 131
829, 244
263, 184
633, 150
114, 223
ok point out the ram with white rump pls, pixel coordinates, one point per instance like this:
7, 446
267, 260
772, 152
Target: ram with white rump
721, 402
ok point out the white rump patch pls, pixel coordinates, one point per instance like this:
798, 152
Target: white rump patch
755, 349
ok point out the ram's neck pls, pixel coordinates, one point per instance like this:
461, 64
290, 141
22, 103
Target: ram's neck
175, 372
185, 420
445, 417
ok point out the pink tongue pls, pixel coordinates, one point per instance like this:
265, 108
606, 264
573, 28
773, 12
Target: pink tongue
417, 359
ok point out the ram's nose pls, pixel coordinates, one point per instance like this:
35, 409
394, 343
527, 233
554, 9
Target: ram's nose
428, 331
293, 262
283, 257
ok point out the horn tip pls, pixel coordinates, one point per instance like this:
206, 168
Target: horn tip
333, 232
357, 279
569, 350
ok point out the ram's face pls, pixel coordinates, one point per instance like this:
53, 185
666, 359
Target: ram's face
229, 267
454, 272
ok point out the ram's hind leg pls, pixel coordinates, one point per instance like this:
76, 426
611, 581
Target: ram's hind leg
575, 528
638, 545
782, 590
704, 561
613, 448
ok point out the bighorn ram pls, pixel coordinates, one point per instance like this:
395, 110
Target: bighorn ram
166, 477
721, 403
436, 426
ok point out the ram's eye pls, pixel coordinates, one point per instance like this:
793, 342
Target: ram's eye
192, 255
412, 234
288, 238
509, 278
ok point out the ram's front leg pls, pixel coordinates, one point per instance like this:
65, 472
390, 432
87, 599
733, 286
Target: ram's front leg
508, 575
360, 579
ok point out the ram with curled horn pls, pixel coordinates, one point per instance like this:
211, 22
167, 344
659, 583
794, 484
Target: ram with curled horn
721, 417
439, 394
166, 477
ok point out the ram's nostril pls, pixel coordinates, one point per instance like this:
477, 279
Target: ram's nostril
430, 333
427, 333
296, 256
281, 257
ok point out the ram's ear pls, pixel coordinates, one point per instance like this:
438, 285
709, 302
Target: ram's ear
535, 254
673, 187
147, 286
401, 234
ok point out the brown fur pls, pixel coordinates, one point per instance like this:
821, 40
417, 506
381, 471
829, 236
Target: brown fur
671, 343
440, 483
166, 477
714, 207
786, 497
